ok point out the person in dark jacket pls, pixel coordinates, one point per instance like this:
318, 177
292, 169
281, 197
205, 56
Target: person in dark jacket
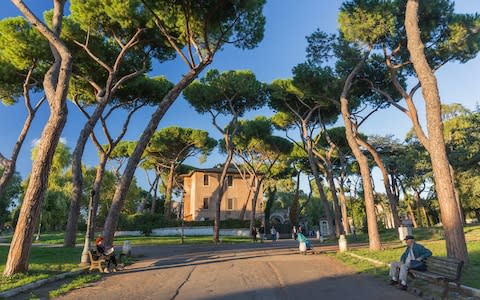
107, 254
399, 270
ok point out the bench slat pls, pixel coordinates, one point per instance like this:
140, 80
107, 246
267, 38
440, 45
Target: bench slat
441, 268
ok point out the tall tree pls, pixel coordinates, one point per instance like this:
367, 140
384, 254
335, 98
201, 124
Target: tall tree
102, 37
259, 150
304, 111
132, 96
454, 235
450, 37
24, 59
463, 141
170, 147
55, 83
200, 29
231, 94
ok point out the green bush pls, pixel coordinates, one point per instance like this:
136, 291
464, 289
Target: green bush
147, 222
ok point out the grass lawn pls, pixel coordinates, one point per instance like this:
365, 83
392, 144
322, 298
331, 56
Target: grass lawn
430, 238
57, 239
44, 262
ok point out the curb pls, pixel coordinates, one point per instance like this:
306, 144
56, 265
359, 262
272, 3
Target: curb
467, 289
15, 291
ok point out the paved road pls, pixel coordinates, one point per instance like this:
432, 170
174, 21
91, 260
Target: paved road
245, 271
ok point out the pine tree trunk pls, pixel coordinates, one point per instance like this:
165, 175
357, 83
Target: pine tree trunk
220, 191
410, 213
318, 181
93, 207
244, 206
254, 205
336, 207
392, 200
168, 192
155, 200
126, 179
56, 87
457, 197
422, 214
343, 206
373, 235
454, 234
77, 178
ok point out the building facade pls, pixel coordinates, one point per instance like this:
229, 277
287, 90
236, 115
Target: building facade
201, 193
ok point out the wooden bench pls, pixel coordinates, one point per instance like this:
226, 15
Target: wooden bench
441, 270
95, 261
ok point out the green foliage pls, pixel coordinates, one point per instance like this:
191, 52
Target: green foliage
11, 193
366, 21
54, 211
462, 139
230, 92
108, 187
308, 86
213, 22
143, 89
21, 48
262, 152
148, 221
172, 145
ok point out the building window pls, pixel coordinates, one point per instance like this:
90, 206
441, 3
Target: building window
205, 203
230, 180
205, 179
230, 204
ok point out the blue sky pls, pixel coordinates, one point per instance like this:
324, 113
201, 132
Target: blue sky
288, 23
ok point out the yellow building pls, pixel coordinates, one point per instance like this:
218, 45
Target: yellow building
201, 190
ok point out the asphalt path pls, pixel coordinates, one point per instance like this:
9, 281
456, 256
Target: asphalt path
243, 271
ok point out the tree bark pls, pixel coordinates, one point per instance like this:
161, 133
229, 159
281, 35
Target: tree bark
56, 82
410, 212
220, 192
454, 234
343, 207
244, 207
122, 187
155, 200
336, 207
457, 196
93, 207
392, 199
77, 178
373, 235
110, 87
254, 204
316, 175
168, 192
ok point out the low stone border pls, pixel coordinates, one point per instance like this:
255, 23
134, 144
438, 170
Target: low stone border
470, 291
15, 291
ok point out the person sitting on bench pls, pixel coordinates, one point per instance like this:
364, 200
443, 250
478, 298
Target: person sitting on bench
108, 254
414, 254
